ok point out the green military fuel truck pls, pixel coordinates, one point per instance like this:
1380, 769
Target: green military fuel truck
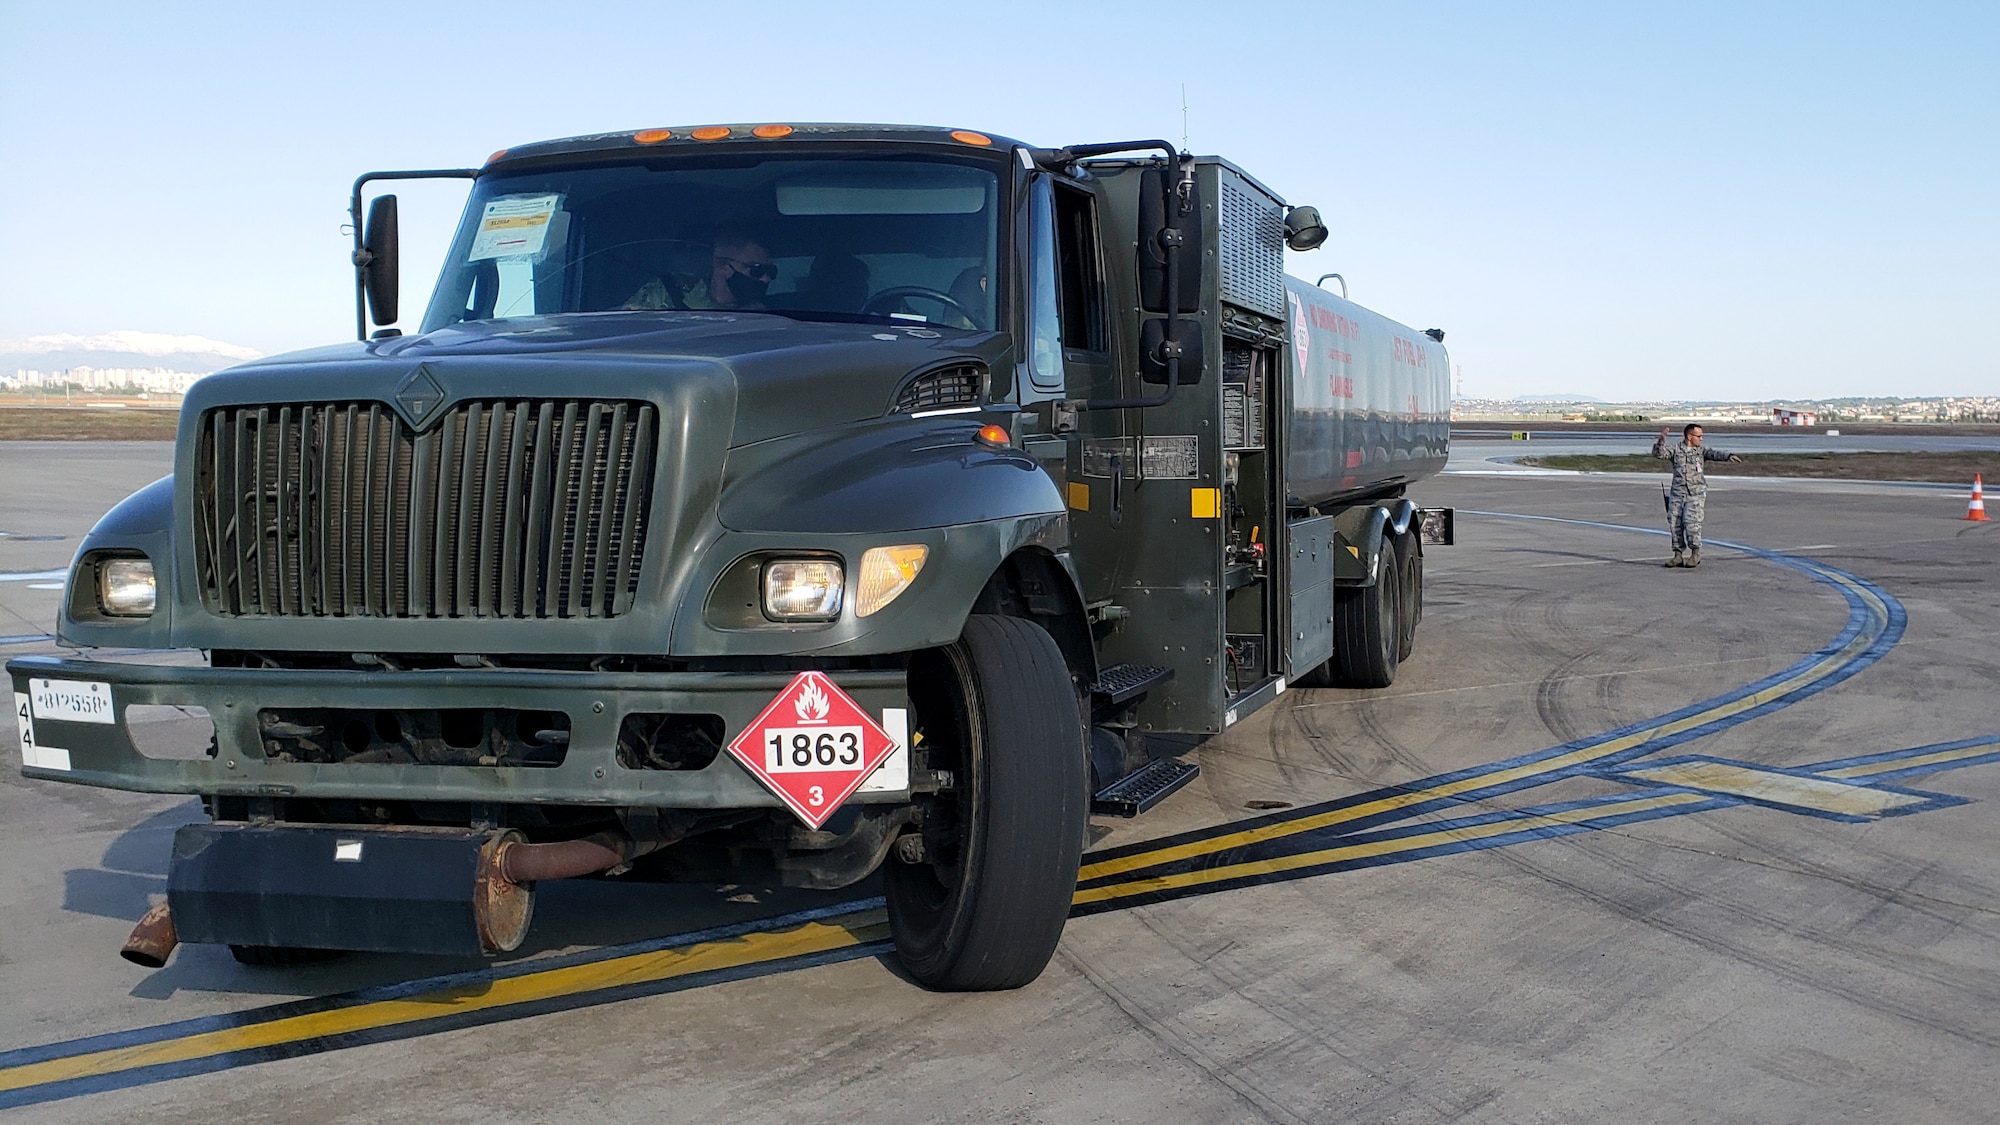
779, 503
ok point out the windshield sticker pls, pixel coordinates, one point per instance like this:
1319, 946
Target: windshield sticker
513, 226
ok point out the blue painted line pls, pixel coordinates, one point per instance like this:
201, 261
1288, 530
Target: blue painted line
1918, 752
33, 575
1880, 623
1888, 623
1452, 847
141, 1076
27, 638
403, 990
1930, 800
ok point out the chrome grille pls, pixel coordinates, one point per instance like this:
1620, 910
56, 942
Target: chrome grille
512, 508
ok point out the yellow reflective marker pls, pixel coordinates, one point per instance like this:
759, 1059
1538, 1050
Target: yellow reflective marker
1079, 496
1205, 503
1814, 794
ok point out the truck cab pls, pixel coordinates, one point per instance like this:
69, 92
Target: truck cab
782, 502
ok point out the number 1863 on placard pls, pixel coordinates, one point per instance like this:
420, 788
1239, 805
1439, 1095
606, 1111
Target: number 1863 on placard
812, 749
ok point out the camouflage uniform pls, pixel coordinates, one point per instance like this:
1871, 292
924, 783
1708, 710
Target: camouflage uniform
1687, 500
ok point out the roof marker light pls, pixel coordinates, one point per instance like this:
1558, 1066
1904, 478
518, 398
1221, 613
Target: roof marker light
653, 136
970, 137
710, 133
771, 132
496, 156
995, 436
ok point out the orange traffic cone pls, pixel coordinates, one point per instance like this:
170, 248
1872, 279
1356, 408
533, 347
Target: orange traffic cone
1977, 509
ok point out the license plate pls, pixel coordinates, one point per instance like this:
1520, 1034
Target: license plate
72, 701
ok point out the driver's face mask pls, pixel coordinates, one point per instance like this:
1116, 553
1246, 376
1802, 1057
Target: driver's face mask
745, 289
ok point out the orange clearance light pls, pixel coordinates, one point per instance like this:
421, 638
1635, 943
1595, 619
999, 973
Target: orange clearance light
496, 156
710, 133
995, 436
771, 132
653, 136
969, 137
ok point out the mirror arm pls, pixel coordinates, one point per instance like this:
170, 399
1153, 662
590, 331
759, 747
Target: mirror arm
360, 256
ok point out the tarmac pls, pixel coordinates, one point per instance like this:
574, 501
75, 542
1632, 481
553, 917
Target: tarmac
1621, 843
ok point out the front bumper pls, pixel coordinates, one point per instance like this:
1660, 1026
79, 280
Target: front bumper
103, 754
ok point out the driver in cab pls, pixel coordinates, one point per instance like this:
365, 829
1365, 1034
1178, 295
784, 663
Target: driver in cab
738, 274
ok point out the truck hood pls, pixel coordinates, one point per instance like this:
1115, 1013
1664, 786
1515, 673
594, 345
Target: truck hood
787, 375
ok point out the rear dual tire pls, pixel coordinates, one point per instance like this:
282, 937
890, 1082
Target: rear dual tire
1375, 626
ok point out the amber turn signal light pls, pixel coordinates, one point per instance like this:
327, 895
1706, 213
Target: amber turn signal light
652, 136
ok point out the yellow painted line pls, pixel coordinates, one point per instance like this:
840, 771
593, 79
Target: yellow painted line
638, 968
1582, 756
1375, 848
1872, 768
1817, 794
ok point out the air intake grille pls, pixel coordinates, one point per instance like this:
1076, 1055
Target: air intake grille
509, 509
1253, 249
961, 384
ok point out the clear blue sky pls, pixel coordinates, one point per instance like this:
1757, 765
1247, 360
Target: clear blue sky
1656, 201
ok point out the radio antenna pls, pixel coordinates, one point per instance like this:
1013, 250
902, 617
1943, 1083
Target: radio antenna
1184, 125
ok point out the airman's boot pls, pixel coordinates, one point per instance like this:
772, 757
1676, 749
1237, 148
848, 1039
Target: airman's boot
1694, 560
1676, 560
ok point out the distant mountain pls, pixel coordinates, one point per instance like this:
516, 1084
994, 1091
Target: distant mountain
195, 354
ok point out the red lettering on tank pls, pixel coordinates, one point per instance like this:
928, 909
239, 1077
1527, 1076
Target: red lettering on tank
1342, 385
1327, 320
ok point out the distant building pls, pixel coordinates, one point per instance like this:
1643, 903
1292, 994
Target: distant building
1783, 417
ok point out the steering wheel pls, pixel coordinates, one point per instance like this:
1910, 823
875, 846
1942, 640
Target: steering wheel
925, 292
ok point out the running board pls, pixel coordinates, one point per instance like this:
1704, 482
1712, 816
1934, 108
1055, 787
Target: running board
1143, 788
1121, 682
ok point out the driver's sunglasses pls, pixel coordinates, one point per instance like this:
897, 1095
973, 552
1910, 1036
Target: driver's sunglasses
755, 271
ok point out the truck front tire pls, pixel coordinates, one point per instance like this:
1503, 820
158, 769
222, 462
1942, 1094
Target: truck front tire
985, 905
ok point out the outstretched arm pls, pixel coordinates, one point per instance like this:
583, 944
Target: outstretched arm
1660, 444
1709, 453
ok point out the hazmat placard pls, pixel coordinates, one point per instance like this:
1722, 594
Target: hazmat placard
812, 746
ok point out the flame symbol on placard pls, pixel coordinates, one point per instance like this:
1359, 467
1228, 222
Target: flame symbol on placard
812, 703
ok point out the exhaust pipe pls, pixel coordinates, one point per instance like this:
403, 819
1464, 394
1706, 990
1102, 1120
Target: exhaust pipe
153, 939
509, 868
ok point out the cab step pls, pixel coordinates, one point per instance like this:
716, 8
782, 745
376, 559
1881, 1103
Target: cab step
1120, 682
1143, 788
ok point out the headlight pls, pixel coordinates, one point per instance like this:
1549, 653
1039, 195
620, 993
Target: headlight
803, 589
125, 587
886, 572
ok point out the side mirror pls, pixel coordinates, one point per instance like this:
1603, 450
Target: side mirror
1155, 348
378, 272
1304, 231
1169, 215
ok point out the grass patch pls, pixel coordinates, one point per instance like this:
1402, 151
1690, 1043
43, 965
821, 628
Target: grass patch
77, 423
1940, 468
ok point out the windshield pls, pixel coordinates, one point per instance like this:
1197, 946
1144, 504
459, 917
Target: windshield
823, 238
